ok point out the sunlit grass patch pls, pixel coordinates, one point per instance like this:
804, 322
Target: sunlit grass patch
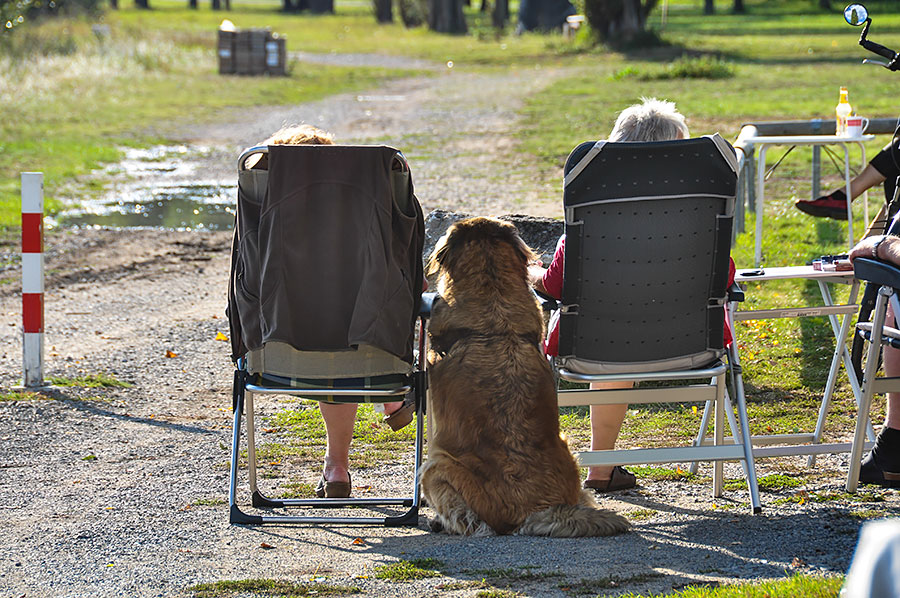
641, 514
23, 395
797, 586
99, 380
827, 496
685, 67
274, 588
403, 571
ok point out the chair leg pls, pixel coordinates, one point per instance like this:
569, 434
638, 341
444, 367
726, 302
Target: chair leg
701, 433
719, 433
865, 401
746, 439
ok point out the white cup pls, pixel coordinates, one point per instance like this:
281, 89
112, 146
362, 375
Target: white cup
856, 126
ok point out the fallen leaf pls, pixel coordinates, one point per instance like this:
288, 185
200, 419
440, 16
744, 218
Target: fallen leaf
694, 409
358, 542
798, 562
221, 337
171, 354
265, 546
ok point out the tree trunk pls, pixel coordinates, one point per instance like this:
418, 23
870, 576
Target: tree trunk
446, 16
826, 4
617, 21
114, 4
145, 4
216, 4
738, 7
192, 4
709, 7
384, 12
500, 14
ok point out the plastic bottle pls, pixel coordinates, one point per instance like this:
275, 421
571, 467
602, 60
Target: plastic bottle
842, 111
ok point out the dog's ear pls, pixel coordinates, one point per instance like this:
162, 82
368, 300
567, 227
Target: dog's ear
440, 255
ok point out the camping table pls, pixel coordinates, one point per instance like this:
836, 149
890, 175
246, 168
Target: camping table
763, 144
809, 443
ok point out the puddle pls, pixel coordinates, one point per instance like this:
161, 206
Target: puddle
161, 191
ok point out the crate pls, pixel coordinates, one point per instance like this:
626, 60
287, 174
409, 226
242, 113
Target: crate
252, 52
276, 56
225, 52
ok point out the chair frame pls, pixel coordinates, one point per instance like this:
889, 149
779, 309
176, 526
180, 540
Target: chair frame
243, 392
707, 383
878, 334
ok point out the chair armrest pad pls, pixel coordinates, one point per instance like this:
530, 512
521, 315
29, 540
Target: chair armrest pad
881, 273
426, 304
735, 292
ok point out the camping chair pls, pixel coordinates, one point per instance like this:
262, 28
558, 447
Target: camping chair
648, 235
323, 299
877, 333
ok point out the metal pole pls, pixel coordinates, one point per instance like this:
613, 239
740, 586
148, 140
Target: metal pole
33, 279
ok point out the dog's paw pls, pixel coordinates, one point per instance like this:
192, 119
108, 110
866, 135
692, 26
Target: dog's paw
436, 526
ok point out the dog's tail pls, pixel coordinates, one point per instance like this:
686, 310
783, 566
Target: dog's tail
569, 521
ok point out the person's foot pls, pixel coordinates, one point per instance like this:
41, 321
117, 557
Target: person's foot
327, 489
882, 465
403, 416
829, 206
620, 479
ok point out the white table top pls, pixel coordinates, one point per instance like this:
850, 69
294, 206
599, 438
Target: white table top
788, 272
807, 139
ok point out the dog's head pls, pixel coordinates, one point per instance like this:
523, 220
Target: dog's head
476, 248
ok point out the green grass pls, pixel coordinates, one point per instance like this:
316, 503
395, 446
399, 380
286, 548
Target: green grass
267, 588
99, 380
23, 395
403, 571
798, 586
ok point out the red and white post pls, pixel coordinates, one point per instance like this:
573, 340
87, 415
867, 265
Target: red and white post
33, 279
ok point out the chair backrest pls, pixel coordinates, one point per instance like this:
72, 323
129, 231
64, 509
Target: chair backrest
327, 250
648, 236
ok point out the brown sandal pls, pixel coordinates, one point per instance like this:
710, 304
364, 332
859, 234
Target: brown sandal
402, 417
620, 479
327, 489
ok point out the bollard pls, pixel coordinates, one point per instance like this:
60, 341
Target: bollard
33, 279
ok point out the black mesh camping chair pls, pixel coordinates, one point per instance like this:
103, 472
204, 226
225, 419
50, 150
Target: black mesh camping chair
648, 235
324, 296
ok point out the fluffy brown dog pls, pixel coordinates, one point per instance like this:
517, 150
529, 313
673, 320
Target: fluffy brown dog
496, 462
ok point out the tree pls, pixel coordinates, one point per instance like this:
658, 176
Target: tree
738, 7
446, 16
384, 12
618, 20
500, 14
709, 7
145, 4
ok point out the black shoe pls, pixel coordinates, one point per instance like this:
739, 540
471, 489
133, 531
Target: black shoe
882, 465
830, 206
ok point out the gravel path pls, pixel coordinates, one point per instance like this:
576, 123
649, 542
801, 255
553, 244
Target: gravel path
120, 491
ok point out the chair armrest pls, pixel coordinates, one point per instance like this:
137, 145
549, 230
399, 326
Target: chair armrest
547, 302
878, 272
735, 292
426, 304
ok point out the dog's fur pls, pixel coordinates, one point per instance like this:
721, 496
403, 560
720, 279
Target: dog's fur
496, 462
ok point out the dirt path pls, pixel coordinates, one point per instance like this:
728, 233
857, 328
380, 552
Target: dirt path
119, 491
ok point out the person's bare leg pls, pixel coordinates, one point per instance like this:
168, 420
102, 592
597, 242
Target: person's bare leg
339, 419
892, 369
606, 422
868, 178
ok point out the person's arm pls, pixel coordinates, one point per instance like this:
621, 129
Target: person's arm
880, 247
536, 274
